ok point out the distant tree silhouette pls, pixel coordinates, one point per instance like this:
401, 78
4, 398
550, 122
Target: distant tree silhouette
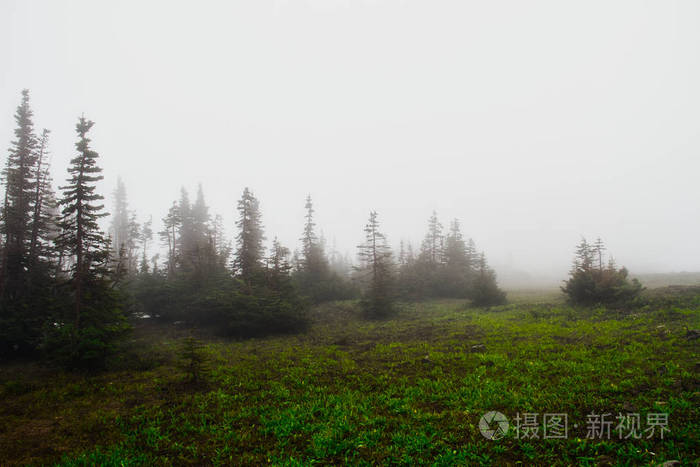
485, 289
590, 282
249, 241
376, 260
447, 266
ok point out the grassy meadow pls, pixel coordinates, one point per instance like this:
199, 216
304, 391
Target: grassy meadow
407, 391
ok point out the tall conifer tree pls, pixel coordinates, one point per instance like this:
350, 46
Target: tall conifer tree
20, 188
249, 242
376, 258
81, 237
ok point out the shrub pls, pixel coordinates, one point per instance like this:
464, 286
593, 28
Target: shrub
87, 345
232, 306
194, 360
591, 284
487, 293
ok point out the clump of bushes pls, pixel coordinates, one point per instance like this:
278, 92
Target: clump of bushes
593, 281
485, 290
233, 307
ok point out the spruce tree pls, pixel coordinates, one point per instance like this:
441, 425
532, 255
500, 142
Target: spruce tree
309, 239
486, 291
278, 266
20, 186
221, 246
145, 236
431, 249
598, 250
96, 316
185, 236
119, 229
43, 223
456, 271
248, 258
313, 275
26, 230
125, 231
169, 236
590, 282
376, 259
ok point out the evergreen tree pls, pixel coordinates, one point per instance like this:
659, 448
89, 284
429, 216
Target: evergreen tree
43, 226
584, 256
485, 291
203, 248
119, 228
426, 280
472, 255
313, 260
171, 224
598, 250
186, 234
222, 247
195, 243
124, 231
431, 249
376, 259
26, 231
592, 283
456, 273
145, 236
200, 215
20, 186
278, 266
402, 254
249, 252
96, 317
314, 275
413, 275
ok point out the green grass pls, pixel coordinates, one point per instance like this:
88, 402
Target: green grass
404, 391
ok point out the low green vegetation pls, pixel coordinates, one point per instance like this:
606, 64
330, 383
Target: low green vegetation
408, 390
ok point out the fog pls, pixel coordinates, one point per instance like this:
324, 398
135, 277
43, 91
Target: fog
534, 123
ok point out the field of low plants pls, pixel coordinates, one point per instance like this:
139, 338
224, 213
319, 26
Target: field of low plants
409, 390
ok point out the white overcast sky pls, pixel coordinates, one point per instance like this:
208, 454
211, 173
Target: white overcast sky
534, 122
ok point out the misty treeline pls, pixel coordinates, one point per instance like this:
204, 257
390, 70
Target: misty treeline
68, 289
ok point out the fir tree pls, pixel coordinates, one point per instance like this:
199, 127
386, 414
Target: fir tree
376, 259
145, 236
249, 251
171, 224
313, 274
431, 249
485, 291
43, 224
20, 186
278, 266
97, 317
456, 273
598, 249
81, 236
590, 282
119, 229
124, 230
27, 278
